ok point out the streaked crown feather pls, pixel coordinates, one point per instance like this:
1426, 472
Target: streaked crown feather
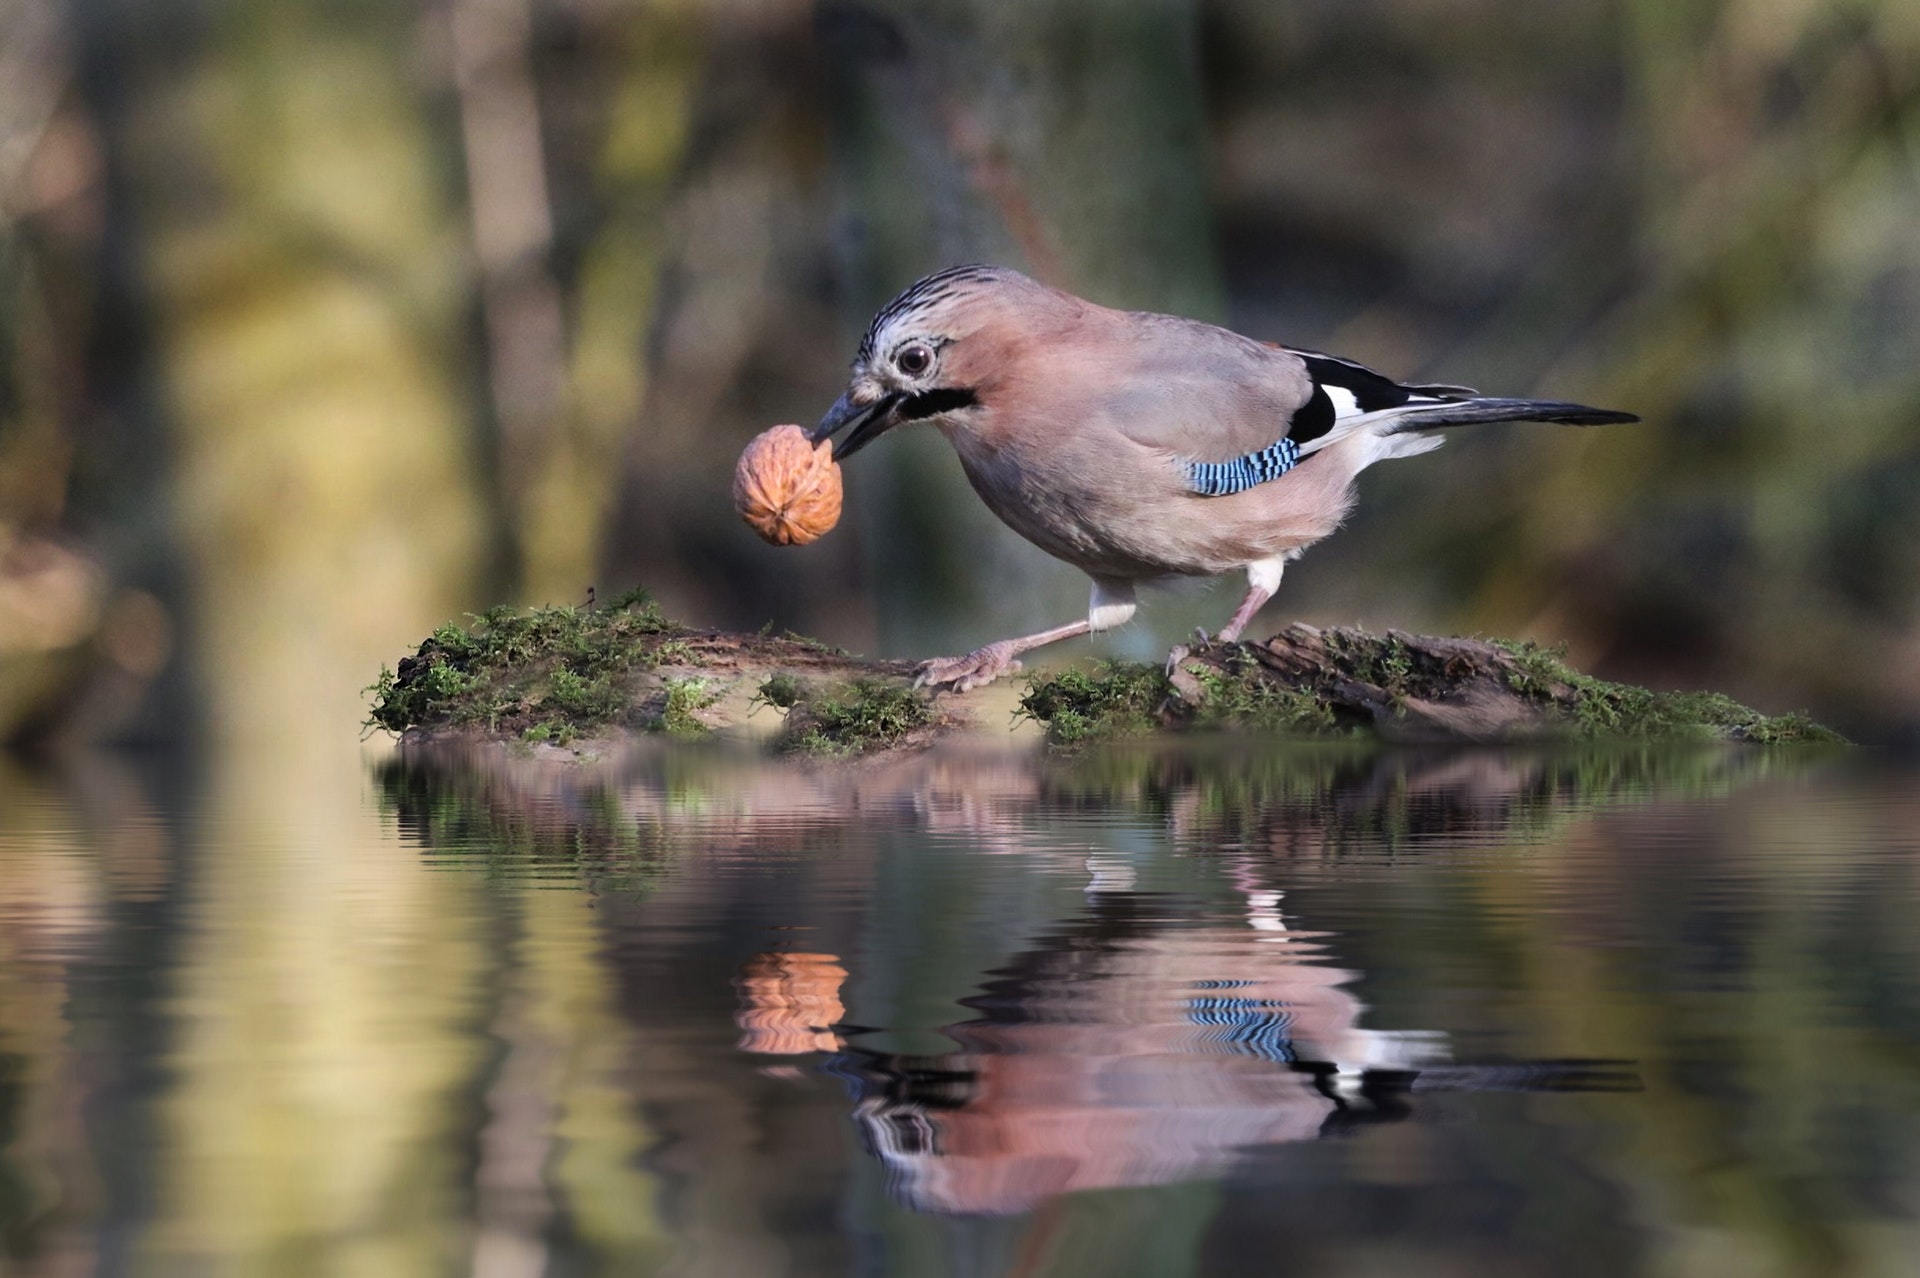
921, 296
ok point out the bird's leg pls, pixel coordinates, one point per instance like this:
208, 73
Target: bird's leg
1263, 578
1256, 597
983, 665
1111, 605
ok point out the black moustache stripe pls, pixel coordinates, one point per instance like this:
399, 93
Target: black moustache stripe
935, 402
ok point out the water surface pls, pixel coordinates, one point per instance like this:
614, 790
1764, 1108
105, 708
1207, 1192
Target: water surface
1219, 1009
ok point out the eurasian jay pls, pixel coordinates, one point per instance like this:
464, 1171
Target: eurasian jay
1138, 446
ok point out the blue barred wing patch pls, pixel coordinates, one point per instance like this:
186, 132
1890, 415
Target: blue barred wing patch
1255, 1027
1217, 479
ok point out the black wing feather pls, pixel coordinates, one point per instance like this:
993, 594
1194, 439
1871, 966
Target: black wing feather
1370, 390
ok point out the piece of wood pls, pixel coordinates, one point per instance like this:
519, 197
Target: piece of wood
580, 678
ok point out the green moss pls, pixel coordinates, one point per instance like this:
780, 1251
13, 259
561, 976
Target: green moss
1115, 699
1383, 661
584, 699
515, 671
553, 674
1243, 695
814, 645
1230, 688
1536, 671
545, 733
671, 652
1594, 708
684, 698
782, 691
433, 683
865, 715
630, 599
1125, 699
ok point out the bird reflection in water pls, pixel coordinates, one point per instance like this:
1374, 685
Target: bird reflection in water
1145, 1039
1122, 1050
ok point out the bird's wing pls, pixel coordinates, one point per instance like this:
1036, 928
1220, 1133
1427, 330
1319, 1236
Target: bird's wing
1344, 390
1242, 412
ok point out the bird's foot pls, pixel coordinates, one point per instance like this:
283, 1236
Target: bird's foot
975, 670
1202, 642
1180, 652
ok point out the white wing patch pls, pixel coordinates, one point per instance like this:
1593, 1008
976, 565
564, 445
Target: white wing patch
1345, 404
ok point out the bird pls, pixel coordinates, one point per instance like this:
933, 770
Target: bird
1136, 446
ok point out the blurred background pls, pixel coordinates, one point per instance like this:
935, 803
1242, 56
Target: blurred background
321, 323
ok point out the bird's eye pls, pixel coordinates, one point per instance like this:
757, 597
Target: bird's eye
913, 359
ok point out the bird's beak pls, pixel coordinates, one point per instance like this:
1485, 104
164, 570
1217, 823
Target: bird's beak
869, 422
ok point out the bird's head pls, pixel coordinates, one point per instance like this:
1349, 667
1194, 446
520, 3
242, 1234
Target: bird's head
923, 356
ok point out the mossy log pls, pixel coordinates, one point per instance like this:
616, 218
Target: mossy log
1398, 687
565, 677
572, 678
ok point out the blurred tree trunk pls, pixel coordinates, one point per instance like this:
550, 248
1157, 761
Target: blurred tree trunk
304, 273
1064, 137
742, 334
621, 96
33, 449
89, 580
500, 126
302, 279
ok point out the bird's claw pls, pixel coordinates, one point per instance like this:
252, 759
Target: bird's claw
975, 670
1201, 642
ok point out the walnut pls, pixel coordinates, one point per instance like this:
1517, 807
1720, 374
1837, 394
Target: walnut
789, 1002
787, 487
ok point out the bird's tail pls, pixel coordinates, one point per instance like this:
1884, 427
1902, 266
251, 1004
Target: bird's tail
1402, 430
1439, 414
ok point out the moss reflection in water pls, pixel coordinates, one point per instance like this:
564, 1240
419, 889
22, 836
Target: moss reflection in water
474, 814
624, 822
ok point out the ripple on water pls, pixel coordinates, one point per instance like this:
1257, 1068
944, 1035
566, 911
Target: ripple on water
1475, 1012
